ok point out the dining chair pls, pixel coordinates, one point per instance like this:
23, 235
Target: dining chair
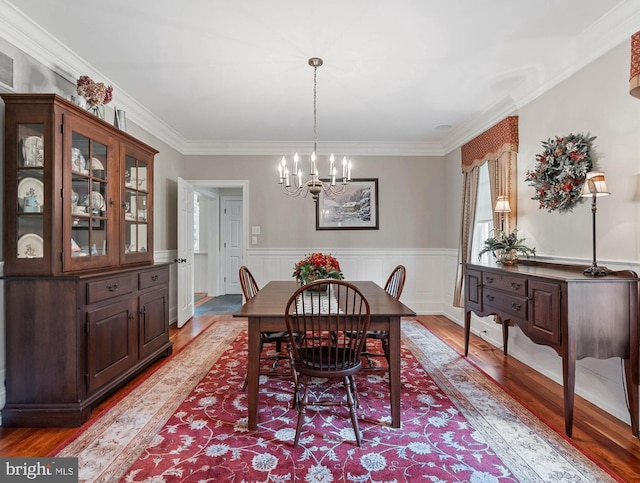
250, 289
394, 287
318, 323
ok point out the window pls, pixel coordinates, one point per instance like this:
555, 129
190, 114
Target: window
483, 227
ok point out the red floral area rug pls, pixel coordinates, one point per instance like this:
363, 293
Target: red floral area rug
456, 426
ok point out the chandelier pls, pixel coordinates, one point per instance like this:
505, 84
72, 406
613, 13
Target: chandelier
314, 185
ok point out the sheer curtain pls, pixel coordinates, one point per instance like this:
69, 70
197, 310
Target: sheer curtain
498, 146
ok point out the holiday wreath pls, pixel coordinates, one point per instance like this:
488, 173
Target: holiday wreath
560, 171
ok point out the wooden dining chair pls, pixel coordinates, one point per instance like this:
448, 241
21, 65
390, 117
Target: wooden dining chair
250, 289
394, 287
318, 323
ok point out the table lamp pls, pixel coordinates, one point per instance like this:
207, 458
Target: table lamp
502, 207
594, 186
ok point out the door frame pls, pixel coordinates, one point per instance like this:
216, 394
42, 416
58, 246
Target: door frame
236, 183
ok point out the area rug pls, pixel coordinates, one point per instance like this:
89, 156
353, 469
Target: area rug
187, 422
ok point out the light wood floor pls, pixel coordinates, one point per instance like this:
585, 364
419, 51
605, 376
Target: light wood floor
604, 438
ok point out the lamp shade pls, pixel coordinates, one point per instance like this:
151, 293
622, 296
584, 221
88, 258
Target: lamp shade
594, 185
502, 205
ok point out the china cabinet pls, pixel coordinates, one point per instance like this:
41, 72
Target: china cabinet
85, 306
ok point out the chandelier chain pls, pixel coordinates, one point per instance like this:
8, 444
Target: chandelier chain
315, 109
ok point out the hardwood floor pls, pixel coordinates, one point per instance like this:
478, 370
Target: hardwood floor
604, 438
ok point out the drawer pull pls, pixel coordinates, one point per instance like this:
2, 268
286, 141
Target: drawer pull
112, 288
490, 298
515, 285
488, 279
516, 306
154, 278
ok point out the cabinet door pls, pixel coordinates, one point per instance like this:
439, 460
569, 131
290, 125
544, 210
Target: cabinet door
153, 321
136, 218
473, 290
90, 197
111, 342
543, 326
28, 164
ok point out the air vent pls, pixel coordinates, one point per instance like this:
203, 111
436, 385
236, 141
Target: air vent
6, 70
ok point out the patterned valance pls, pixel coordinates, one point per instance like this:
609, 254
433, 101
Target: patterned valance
634, 80
491, 144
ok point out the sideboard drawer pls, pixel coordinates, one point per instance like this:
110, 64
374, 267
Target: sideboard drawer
107, 288
515, 285
509, 305
153, 278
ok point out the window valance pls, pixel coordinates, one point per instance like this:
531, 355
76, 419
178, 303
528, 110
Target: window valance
634, 80
492, 144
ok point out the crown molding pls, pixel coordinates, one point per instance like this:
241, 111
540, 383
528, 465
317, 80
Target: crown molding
288, 148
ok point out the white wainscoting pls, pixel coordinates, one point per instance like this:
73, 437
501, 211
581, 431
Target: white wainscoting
424, 289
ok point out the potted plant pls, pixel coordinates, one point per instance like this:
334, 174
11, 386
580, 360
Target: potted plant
315, 267
506, 248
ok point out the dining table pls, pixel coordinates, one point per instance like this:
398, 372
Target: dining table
265, 313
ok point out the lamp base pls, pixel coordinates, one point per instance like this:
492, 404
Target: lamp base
596, 271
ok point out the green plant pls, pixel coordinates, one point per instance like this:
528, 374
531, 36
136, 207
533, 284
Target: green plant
503, 243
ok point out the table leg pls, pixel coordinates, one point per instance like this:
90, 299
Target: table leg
394, 370
253, 371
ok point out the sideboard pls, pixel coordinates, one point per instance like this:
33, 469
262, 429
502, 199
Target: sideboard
558, 306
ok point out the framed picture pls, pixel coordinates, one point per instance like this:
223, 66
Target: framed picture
355, 209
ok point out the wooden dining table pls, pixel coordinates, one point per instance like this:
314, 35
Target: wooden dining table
265, 313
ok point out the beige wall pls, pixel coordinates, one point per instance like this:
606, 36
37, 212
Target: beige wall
596, 100
410, 201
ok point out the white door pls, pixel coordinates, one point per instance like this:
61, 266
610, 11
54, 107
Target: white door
185, 252
232, 244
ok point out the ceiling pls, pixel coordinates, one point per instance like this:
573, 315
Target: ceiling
401, 77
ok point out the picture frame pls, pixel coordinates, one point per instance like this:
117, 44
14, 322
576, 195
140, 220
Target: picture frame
355, 209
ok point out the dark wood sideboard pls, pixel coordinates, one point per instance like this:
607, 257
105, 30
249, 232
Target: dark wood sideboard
557, 306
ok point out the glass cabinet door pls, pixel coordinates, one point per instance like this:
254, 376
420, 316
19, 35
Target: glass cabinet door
136, 205
30, 199
87, 205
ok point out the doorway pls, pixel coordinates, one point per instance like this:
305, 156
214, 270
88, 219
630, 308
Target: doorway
214, 265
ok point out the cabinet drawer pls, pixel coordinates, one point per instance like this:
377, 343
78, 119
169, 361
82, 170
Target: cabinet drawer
514, 285
508, 305
152, 278
107, 288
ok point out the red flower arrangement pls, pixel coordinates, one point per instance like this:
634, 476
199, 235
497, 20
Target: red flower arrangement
560, 171
96, 93
315, 267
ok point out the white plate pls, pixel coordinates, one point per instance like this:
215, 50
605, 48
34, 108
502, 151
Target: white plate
33, 151
96, 164
97, 201
30, 246
31, 187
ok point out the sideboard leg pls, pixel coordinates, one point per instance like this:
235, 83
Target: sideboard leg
467, 328
505, 336
569, 376
631, 376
